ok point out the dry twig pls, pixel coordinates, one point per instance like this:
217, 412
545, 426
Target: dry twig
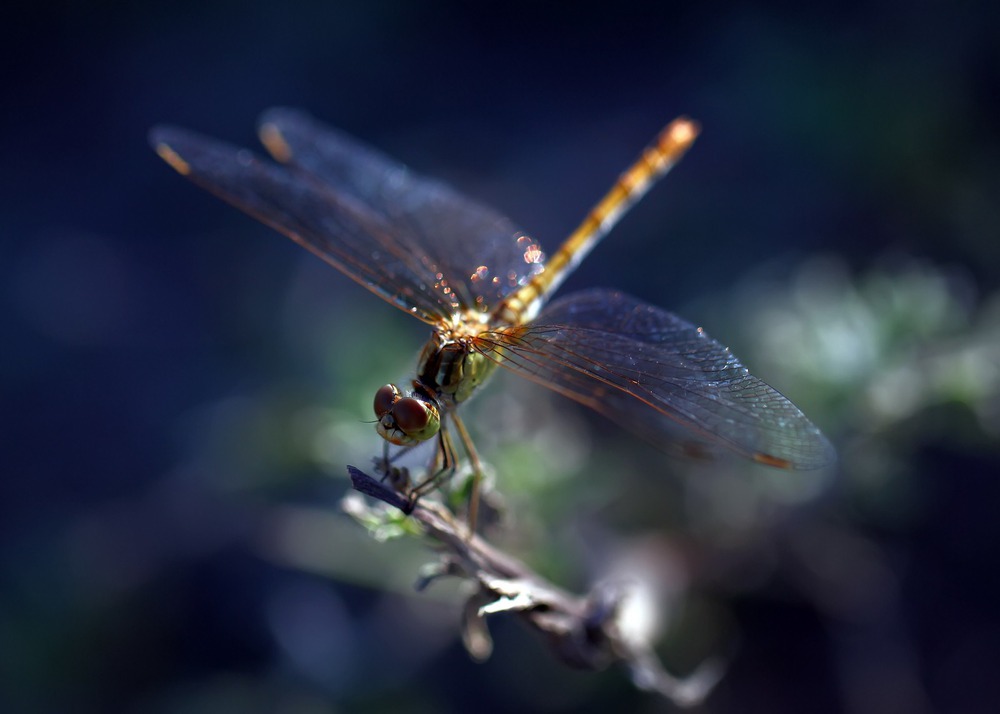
581, 631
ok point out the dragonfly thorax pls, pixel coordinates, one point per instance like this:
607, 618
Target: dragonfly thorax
451, 368
449, 372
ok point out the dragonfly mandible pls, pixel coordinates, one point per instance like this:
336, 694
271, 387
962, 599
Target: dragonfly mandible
483, 286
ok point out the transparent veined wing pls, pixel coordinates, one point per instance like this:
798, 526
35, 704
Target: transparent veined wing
383, 252
659, 376
476, 251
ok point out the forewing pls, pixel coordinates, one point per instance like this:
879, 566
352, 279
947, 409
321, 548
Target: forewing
470, 248
660, 376
332, 223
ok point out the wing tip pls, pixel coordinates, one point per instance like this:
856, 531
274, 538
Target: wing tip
771, 460
272, 126
162, 139
274, 141
822, 456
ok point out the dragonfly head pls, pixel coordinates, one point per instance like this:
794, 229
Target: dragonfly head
405, 420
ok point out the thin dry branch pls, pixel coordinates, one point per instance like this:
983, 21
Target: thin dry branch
582, 631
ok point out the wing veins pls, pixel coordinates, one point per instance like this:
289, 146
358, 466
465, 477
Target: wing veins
691, 383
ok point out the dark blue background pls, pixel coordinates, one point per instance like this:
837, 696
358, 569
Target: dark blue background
130, 300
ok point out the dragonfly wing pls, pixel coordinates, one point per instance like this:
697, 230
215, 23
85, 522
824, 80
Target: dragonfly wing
332, 224
660, 376
478, 253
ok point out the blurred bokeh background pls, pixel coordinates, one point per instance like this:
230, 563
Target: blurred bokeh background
181, 387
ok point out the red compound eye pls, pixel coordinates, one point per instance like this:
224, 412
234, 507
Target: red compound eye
385, 397
411, 415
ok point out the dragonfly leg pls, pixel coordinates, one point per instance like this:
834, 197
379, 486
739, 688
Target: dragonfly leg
441, 468
477, 472
397, 476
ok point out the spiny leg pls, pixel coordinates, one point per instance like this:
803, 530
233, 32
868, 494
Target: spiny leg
444, 464
398, 477
442, 467
477, 472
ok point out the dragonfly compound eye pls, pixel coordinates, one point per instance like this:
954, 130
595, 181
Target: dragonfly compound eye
417, 418
385, 397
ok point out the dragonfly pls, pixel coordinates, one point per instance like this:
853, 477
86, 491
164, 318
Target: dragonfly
483, 286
